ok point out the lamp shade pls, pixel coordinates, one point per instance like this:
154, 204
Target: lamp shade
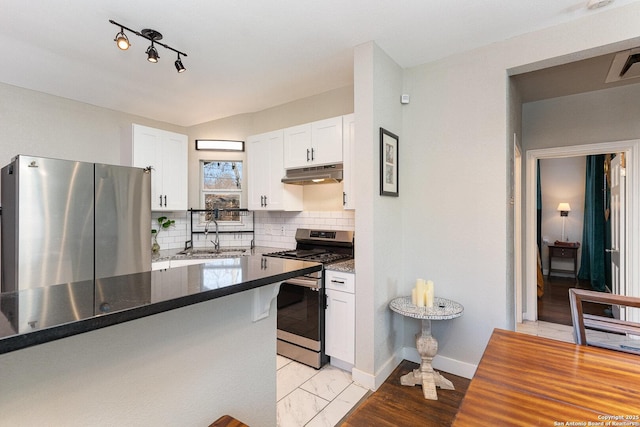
564, 207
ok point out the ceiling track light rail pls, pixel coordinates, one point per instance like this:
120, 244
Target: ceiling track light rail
154, 37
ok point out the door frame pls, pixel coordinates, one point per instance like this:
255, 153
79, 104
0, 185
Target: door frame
631, 148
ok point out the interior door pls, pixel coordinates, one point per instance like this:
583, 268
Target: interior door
617, 221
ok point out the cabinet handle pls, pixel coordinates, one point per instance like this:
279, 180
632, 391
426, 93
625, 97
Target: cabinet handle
261, 201
265, 201
312, 151
307, 154
165, 201
344, 198
161, 200
341, 282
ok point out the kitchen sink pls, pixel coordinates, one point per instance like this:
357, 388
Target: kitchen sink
212, 253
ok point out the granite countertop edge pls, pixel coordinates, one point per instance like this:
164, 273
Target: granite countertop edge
348, 266
52, 333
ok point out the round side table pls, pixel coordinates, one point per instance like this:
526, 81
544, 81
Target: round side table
443, 309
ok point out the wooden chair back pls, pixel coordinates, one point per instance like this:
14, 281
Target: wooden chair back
582, 321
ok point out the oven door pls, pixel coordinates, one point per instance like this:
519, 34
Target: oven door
301, 307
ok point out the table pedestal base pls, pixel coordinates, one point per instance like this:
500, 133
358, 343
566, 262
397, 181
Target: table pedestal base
427, 347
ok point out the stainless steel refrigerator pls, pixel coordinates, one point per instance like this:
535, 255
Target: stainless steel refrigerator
67, 221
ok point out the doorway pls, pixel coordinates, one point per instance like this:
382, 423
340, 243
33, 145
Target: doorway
629, 252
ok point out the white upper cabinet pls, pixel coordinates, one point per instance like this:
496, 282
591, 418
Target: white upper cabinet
166, 153
265, 170
313, 144
348, 154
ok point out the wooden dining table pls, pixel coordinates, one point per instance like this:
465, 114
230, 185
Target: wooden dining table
524, 380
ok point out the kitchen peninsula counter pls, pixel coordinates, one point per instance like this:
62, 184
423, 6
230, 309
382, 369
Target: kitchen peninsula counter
185, 349
36, 316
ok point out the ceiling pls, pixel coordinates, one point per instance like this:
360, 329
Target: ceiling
568, 79
243, 56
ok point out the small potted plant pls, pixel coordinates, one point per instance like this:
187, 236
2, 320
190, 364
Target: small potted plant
163, 223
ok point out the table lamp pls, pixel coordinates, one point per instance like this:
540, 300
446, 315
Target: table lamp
564, 209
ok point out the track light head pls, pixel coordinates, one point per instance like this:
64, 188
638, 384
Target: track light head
179, 65
152, 54
121, 40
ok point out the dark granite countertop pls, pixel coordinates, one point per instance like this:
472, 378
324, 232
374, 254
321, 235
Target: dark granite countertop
36, 316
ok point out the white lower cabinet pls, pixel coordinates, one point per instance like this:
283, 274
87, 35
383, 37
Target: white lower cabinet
340, 316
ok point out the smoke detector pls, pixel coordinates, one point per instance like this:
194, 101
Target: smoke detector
597, 4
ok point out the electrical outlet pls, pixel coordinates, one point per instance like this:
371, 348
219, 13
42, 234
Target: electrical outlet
268, 229
282, 230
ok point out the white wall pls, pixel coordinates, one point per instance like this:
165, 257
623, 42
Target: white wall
600, 116
379, 220
38, 124
458, 129
562, 180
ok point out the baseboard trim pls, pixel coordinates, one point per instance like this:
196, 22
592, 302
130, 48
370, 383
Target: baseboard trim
372, 382
442, 363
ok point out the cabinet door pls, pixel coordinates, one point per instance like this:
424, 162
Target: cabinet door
256, 172
297, 146
146, 153
348, 158
326, 141
265, 170
340, 325
166, 153
174, 171
274, 197
261, 152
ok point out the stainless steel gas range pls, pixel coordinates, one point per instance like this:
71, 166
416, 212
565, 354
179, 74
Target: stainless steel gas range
302, 300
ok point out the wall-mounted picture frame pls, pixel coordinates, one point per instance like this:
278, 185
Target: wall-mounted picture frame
388, 163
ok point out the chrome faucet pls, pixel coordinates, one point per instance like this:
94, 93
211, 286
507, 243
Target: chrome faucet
216, 242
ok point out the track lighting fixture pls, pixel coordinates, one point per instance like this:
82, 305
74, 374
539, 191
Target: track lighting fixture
121, 40
179, 65
152, 54
153, 36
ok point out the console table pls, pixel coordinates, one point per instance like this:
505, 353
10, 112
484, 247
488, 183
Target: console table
427, 345
566, 253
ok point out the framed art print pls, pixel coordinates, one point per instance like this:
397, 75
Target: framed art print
388, 163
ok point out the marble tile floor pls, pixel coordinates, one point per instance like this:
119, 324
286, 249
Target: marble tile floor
314, 398
554, 331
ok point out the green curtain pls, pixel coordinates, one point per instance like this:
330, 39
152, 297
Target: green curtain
539, 208
594, 233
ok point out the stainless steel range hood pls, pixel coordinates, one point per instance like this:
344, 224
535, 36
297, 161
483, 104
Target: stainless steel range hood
314, 175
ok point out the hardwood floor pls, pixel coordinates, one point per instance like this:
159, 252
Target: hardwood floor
395, 405
554, 305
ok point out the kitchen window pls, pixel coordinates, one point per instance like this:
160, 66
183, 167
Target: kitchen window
221, 186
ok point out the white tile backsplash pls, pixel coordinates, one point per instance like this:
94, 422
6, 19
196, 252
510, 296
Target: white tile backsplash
269, 227
274, 221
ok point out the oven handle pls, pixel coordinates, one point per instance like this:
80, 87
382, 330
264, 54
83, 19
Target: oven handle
313, 284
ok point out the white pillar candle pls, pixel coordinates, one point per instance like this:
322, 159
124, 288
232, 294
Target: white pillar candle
421, 289
414, 296
430, 293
